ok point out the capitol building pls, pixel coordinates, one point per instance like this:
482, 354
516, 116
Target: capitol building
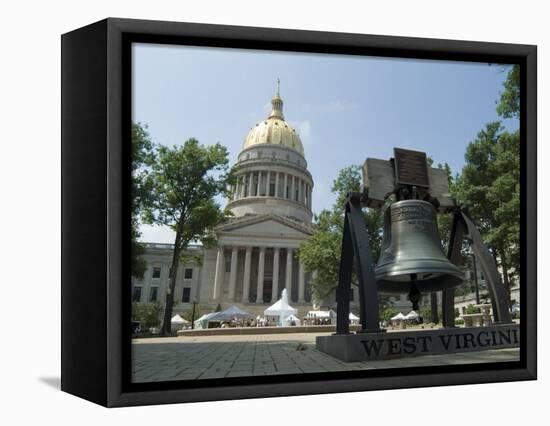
255, 257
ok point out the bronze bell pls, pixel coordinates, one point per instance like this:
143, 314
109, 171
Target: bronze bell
412, 259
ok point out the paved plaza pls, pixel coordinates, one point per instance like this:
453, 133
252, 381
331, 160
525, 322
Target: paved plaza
207, 357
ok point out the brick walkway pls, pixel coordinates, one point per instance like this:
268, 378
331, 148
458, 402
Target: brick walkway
206, 357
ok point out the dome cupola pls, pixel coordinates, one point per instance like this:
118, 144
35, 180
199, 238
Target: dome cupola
274, 130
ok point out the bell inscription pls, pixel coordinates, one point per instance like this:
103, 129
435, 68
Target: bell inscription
418, 212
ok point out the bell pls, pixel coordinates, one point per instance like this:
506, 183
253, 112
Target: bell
412, 259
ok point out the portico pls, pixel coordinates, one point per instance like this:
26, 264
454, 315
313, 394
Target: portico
255, 268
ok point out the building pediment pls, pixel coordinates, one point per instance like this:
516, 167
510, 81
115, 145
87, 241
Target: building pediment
264, 226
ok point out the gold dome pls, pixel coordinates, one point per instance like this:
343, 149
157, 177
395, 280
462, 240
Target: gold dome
274, 130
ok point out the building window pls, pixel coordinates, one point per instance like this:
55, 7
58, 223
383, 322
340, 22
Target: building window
156, 272
273, 154
188, 274
186, 296
260, 153
271, 189
136, 296
153, 294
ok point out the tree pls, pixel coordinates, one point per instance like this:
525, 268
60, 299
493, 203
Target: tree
508, 105
147, 314
184, 182
141, 157
489, 190
321, 252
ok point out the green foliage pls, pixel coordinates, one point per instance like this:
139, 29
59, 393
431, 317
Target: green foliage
426, 313
184, 182
142, 156
148, 314
489, 188
508, 106
471, 309
388, 313
321, 252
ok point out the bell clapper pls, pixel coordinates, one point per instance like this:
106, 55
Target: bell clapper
414, 293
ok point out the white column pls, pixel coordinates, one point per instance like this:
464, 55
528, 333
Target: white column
233, 273
288, 281
268, 183
285, 186
246, 284
243, 184
259, 184
293, 189
301, 284
277, 184
275, 286
260, 287
250, 184
220, 271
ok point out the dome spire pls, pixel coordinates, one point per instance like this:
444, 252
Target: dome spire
277, 104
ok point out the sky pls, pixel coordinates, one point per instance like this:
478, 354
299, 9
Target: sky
345, 108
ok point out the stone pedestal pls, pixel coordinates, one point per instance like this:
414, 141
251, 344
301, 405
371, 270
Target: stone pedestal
402, 344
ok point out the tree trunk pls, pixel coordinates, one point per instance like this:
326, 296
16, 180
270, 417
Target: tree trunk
433, 301
506, 278
166, 328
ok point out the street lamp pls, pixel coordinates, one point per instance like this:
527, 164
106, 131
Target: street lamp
193, 314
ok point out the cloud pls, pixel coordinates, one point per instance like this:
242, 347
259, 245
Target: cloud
304, 131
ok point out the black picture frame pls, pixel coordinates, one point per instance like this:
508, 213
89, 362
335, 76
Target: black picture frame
95, 205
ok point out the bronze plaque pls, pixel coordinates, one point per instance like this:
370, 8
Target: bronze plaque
411, 168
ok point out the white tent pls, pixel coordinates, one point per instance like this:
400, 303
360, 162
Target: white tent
294, 318
202, 322
178, 322
353, 317
322, 314
229, 313
176, 319
398, 317
281, 309
412, 315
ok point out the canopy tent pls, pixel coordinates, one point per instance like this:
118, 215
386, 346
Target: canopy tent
322, 314
178, 322
293, 318
229, 314
398, 317
176, 319
412, 315
353, 317
281, 309
202, 322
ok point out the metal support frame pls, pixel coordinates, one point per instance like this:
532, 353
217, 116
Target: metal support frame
497, 291
355, 245
462, 224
